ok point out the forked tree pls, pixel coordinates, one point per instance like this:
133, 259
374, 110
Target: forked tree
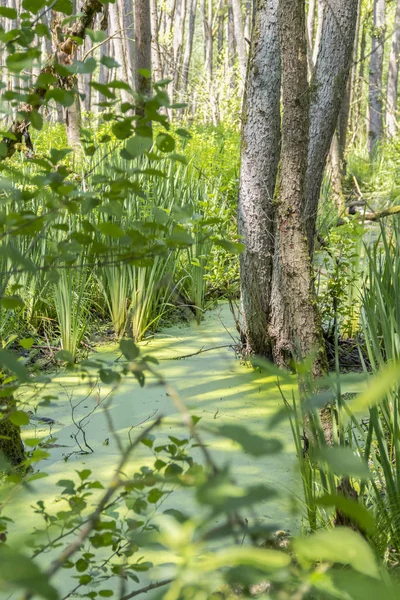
277, 214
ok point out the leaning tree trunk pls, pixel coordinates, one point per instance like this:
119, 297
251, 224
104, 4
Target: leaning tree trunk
259, 166
375, 125
294, 329
393, 77
327, 89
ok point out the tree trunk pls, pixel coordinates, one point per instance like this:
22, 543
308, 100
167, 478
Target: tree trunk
192, 4
156, 50
375, 129
143, 51
231, 50
312, 5
259, 166
73, 124
278, 304
240, 41
294, 328
116, 33
393, 77
179, 28
129, 37
327, 87
11, 446
318, 35
220, 35
360, 78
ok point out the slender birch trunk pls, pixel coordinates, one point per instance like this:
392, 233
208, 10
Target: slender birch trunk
393, 77
240, 41
375, 129
157, 61
231, 50
192, 5
115, 25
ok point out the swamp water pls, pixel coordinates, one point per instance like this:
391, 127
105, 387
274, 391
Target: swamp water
214, 385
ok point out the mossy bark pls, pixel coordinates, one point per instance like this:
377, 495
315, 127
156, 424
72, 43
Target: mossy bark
11, 446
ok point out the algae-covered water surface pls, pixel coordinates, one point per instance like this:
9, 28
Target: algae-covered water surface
214, 385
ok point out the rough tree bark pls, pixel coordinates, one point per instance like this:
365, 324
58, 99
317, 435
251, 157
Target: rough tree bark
272, 319
294, 328
393, 77
259, 167
327, 89
375, 124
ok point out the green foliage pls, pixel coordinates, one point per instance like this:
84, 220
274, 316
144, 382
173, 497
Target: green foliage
340, 279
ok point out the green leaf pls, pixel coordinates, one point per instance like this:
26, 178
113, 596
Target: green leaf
19, 571
259, 558
57, 156
342, 461
86, 67
11, 302
111, 229
33, 5
63, 6
339, 545
81, 565
129, 349
84, 474
26, 343
155, 495
8, 13
138, 145
63, 97
232, 247
19, 418
109, 62
183, 133
64, 356
106, 593
9, 361
378, 388
109, 377
357, 512
165, 143
251, 443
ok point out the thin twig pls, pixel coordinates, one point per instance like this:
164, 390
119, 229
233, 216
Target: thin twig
197, 352
144, 590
